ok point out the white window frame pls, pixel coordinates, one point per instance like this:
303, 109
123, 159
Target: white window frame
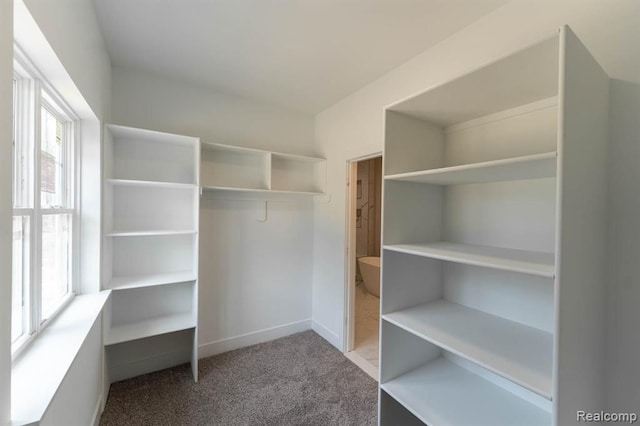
32, 93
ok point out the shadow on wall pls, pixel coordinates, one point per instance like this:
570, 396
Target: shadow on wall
623, 288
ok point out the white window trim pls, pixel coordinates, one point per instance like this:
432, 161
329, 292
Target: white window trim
43, 93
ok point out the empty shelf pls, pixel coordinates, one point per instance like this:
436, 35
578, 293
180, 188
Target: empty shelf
527, 262
517, 352
257, 192
518, 168
150, 233
148, 183
119, 283
442, 393
217, 147
148, 328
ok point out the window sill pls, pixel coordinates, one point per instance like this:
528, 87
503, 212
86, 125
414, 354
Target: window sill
25, 341
38, 372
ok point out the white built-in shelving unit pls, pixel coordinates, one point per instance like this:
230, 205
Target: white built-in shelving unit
150, 236
260, 174
494, 243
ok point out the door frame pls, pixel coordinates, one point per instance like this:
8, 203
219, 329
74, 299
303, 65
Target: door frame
350, 248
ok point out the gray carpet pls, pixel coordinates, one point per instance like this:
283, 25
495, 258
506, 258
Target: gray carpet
296, 380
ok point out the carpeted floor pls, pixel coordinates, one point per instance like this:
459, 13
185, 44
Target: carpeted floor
297, 380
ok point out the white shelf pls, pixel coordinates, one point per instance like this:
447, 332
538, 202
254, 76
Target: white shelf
150, 206
218, 147
295, 157
442, 393
145, 155
150, 233
130, 133
527, 262
518, 168
148, 183
121, 283
522, 141
148, 328
519, 353
260, 172
258, 191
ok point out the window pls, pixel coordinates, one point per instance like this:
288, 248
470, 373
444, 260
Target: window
44, 188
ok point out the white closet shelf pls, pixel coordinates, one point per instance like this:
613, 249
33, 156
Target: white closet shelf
218, 147
152, 327
527, 262
151, 280
130, 133
517, 352
443, 393
150, 233
260, 192
518, 168
295, 157
148, 183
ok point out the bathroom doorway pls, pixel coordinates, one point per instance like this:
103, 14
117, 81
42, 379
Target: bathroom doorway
362, 283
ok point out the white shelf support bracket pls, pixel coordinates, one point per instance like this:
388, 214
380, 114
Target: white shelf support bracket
262, 210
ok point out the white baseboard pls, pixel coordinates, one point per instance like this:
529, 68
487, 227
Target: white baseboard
248, 339
97, 413
327, 334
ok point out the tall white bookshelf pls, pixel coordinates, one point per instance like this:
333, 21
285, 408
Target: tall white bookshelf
494, 243
150, 243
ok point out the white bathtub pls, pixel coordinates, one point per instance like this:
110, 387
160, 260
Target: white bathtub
370, 270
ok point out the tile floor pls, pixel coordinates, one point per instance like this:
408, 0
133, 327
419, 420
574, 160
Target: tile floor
367, 320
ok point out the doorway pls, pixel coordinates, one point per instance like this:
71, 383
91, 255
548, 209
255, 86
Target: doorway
363, 242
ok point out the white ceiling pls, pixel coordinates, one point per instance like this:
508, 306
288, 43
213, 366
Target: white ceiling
301, 54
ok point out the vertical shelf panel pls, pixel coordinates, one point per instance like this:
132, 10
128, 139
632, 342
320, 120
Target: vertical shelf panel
581, 249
